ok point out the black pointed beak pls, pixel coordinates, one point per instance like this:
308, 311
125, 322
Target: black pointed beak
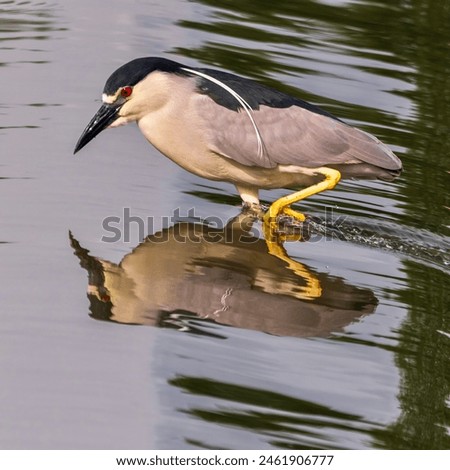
106, 115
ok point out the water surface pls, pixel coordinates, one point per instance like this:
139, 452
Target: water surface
197, 337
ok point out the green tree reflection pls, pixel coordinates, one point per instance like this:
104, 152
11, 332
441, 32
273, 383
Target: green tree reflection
266, 39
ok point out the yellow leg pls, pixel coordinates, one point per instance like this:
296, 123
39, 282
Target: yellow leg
281, 206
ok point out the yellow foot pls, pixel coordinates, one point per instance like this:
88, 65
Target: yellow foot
284, 224
281, 206
282, 231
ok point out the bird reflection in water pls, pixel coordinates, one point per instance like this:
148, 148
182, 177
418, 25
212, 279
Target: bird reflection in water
228, 276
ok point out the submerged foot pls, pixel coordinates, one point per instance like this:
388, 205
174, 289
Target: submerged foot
292, 229
286, 224
256, 209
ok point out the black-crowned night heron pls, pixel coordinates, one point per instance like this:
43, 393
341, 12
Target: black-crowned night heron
227, 128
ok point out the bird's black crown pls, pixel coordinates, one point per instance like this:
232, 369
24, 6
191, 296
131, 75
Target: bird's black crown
134, 71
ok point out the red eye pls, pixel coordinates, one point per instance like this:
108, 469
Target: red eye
126, 91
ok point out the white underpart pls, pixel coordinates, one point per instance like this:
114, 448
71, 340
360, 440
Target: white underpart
242, 102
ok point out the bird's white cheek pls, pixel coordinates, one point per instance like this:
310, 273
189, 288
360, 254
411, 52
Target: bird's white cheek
121, 121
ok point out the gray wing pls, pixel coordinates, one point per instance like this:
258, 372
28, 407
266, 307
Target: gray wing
290, 136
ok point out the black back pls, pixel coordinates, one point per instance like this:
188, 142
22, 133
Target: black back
252, 92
